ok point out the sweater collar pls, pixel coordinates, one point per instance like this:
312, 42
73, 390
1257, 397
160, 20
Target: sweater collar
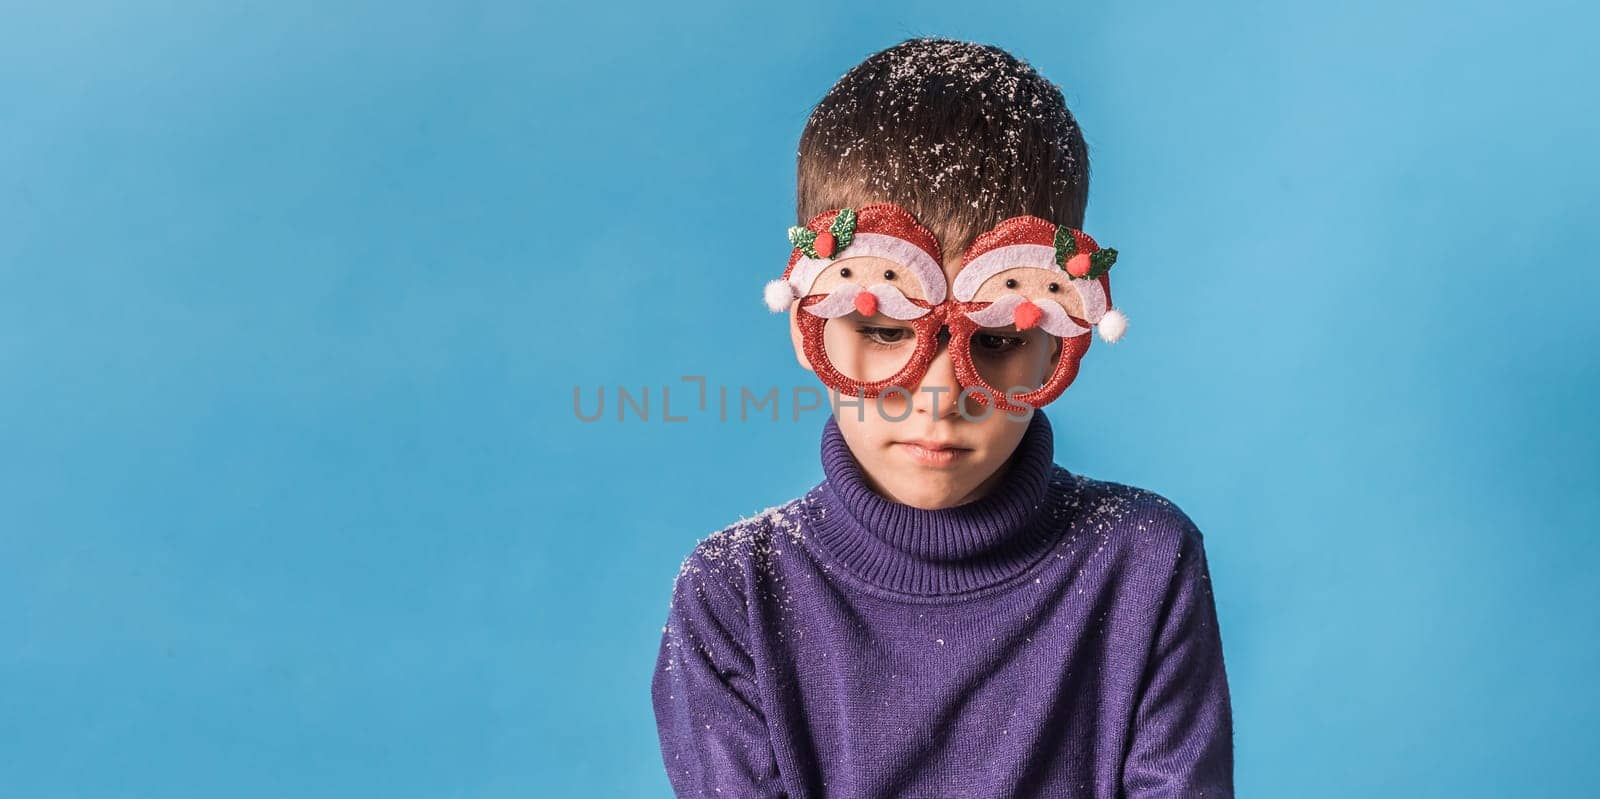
945, 551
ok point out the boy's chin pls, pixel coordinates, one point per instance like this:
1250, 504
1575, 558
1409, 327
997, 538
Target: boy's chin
927, 489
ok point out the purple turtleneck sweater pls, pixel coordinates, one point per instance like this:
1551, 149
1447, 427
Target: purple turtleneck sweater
1054, 638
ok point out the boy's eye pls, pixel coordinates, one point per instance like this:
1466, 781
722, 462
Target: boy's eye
990, 343
885, 335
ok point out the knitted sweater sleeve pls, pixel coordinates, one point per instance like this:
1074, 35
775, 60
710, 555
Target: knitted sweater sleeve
714, 738
1182, 741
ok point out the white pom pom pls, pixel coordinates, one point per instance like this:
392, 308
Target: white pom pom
779, 295
1112, 325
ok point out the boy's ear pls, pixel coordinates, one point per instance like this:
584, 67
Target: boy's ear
794, 338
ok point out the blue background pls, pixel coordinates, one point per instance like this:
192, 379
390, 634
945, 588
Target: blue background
293, 301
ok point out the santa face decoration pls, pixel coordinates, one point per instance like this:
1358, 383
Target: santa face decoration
874, 304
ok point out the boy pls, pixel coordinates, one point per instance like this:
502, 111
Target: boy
949, 613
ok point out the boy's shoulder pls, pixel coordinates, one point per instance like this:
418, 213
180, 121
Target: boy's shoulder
731, 555
1132, 516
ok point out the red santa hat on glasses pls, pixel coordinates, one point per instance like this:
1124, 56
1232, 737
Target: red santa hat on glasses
1031, 242
880, 229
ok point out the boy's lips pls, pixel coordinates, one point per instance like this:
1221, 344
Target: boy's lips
932, 453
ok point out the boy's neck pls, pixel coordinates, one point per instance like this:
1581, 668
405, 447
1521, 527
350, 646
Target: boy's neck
912, 550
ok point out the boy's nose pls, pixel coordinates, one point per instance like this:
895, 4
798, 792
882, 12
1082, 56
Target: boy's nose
937, 393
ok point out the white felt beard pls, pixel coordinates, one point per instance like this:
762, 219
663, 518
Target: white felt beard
1053, 320
891, 302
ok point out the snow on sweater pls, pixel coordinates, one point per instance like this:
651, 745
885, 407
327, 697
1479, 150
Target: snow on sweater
1054, 638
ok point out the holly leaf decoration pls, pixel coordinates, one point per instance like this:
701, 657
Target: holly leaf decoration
843, 228
1066, 245
804, 237
1101, 260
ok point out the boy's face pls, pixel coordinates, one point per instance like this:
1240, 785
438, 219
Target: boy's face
922, 451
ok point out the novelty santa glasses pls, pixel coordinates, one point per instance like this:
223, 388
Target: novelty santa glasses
874, 305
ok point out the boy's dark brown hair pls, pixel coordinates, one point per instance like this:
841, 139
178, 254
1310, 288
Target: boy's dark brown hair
962, 135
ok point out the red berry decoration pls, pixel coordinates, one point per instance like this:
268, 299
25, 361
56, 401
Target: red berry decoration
1078, 265
824, 244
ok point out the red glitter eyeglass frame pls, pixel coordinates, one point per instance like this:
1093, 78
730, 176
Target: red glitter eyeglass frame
890, 232
950, 315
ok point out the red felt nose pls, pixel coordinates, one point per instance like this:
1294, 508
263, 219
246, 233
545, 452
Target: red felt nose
1027, 315
866, 303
